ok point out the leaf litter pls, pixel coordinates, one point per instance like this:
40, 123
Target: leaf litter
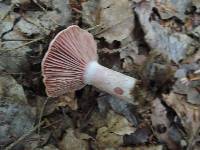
156, 41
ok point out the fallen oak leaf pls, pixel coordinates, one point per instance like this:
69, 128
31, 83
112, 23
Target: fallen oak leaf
162, 126
116, 18
188, 113
68, 100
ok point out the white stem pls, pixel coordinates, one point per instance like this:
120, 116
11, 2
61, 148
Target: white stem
110, 81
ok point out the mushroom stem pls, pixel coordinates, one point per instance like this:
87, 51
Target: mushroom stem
110, 81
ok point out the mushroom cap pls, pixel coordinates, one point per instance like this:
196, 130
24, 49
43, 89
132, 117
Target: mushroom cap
64, 63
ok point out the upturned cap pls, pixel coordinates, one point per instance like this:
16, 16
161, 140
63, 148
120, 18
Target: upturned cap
65, 61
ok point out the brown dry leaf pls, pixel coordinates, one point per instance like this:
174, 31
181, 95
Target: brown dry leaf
115, 18
68, 100
129, 53
45, 21
161, 124
124, 108
129, 63
119, 124
192, 21
193, 95
170, 8
152, 147
193, 58
112, 134
188, 83
10, 89
188, 113
125, 148
106, 139
196, 32
71, 142
97, 120
49, 105
53, 103
48, 147
83, 136
11, 57
172, 44
141, 136
196, 3
76, 4
35, 140
21, 2
16, 119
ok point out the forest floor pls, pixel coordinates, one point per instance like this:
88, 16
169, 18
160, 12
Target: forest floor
155, 41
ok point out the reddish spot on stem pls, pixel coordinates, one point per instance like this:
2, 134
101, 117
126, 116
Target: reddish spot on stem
118, 90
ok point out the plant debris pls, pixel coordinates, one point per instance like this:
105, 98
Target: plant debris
154, 41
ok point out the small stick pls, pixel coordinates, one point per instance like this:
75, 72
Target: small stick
45, 30
9, 147
25, 44
5, 40
41, 114
43, 9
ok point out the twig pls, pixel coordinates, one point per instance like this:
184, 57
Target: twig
17, 73
12, 73
38, 4
41, 114
45, 30
53, 123
2, 55
107, 28
5, 40
94, 27
24, 136
25, 44
77, 10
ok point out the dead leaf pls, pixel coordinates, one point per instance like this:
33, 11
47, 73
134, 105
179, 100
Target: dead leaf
129, 52
170, 8
152, 147
118, 124
120, 107
196, 3
140, 136
162, 126
107, 139
16, 119
71, 142
48, 147
188, 113
111, 135
174, 45
10, 89
115, 18
68, 100
188, 83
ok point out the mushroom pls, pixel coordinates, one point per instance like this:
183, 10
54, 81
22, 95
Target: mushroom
71, 63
